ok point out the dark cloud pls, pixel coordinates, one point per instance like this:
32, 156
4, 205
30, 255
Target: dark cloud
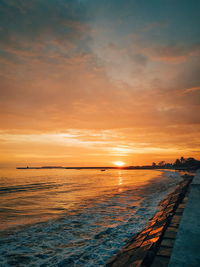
30, 20
37, 27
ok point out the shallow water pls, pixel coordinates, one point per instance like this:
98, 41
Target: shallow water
75, 217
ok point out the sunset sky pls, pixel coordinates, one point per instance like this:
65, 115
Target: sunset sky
91, 82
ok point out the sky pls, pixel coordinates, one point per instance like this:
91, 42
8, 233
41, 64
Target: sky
89, 82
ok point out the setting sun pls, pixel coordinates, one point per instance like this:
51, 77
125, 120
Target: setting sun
119, 163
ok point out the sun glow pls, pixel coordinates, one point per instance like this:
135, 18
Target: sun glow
119, 163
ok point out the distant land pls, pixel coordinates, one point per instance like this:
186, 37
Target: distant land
179, 164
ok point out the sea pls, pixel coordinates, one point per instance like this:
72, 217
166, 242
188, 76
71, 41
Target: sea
62, 217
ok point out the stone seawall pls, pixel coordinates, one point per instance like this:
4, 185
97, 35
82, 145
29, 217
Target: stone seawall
186, 251
153, 245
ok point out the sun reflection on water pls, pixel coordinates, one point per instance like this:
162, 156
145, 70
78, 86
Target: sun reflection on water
120, 181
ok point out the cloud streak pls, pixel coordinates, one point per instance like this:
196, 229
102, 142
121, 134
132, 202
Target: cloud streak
95, 66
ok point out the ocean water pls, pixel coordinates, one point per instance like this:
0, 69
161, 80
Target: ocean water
62, 217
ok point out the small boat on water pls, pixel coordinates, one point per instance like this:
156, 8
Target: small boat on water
103, 170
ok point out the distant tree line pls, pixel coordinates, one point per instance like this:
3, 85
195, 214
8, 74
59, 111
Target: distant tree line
182, 163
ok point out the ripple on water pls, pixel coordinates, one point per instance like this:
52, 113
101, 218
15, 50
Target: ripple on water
88, 236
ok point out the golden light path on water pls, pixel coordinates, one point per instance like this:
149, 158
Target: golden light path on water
38, 195
75, 217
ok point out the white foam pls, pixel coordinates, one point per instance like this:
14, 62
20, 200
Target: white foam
91, 235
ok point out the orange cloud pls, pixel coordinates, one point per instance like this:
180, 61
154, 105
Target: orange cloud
76, 88
170, 53
190, 90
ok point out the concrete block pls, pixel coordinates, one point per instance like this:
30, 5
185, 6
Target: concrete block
164, 251
167, 242
160, 261
170, 234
